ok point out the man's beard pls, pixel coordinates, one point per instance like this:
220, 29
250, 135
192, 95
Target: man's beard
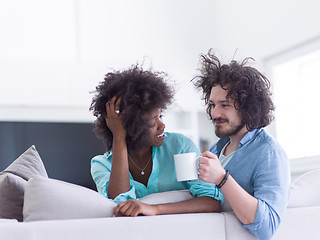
229, 132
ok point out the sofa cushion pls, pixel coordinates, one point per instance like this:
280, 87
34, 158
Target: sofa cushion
13, 181
167, 197
50, 199
234, 230
11, 196
27, 165
11, 230
299, 223
304, 190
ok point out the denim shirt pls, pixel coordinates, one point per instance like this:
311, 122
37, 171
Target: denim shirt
261, 167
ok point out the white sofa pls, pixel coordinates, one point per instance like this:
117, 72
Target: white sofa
53, 209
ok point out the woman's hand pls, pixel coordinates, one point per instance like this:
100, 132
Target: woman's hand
210, 169
113, 118
133, 208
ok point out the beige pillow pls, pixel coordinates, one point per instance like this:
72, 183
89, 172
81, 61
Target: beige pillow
305, 190
13, 181
50, 199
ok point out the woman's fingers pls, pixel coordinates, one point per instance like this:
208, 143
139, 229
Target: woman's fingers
114, 104
111, 104
127, 208
113, 107
118, 209
117, 105
130, 211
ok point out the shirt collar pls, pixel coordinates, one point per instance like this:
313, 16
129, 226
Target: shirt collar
249, 136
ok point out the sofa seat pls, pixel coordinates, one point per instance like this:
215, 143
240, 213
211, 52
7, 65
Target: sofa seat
298, 223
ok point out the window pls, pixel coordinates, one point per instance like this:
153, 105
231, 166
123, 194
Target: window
295, 78
296, 86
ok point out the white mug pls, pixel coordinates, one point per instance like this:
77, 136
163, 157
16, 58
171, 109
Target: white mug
186, 166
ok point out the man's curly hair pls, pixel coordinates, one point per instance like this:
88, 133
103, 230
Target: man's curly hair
247, 86
141, 92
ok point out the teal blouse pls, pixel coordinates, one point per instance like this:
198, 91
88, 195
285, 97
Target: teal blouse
163, 176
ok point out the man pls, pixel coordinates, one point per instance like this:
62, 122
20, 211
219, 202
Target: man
247, 164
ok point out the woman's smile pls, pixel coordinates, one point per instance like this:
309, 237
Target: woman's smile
161, 136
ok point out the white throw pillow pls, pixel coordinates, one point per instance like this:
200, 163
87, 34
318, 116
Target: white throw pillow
50, 199
305, 190
13, 181
167, 197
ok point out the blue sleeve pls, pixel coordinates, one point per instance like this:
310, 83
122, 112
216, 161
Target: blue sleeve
199, 188
271, 188
100, 172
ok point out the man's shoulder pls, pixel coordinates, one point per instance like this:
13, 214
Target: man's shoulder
267, 147
263, 138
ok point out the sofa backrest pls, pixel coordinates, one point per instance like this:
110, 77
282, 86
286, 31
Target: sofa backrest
305, 190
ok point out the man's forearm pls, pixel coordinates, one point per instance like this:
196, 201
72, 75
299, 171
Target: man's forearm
242, 203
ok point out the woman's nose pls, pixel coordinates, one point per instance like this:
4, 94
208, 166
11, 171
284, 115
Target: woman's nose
161, 125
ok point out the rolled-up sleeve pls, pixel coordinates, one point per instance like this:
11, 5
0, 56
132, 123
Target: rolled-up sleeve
199, 188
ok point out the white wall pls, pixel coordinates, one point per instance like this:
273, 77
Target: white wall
54, 52
261, 29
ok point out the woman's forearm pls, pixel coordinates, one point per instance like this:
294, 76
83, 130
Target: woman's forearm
195, 205
119, 181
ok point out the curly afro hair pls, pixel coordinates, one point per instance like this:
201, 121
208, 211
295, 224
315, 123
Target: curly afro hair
141, 92
247, 86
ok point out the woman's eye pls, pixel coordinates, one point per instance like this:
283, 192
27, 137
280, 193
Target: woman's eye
152, 122
153, 125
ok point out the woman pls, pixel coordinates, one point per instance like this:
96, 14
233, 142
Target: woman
139, 158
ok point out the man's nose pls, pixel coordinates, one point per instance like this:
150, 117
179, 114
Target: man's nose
215, 113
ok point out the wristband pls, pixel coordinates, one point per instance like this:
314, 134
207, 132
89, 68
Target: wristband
223, 181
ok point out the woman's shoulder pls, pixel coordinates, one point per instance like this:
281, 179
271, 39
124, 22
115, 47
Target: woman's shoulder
104, 159
179, 142
176, 137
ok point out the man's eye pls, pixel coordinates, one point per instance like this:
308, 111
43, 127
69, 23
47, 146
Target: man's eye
226, 105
